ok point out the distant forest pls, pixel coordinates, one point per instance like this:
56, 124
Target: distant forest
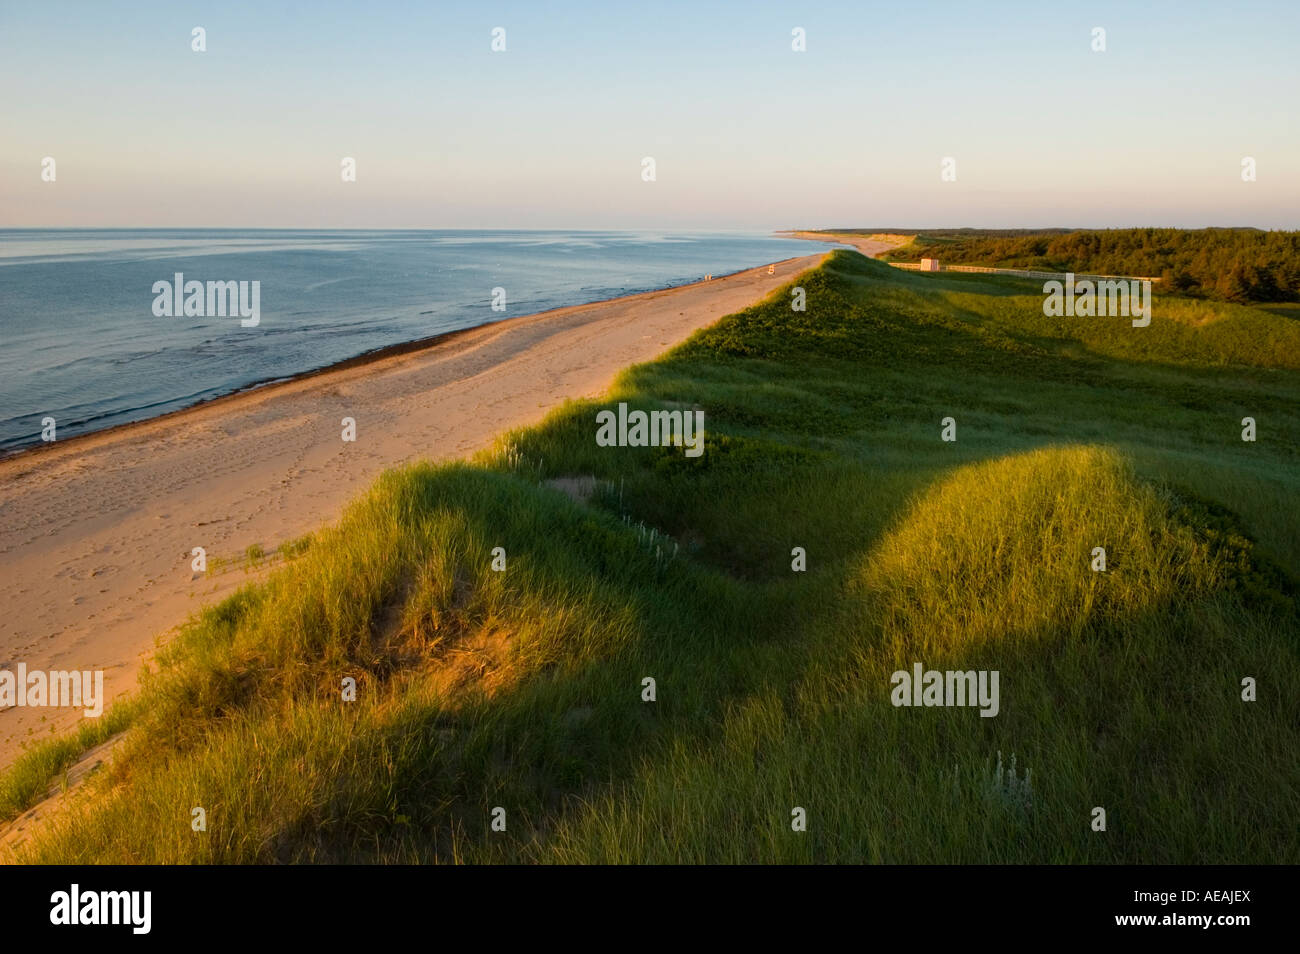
1241, 265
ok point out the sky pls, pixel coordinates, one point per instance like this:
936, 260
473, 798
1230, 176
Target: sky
744, 131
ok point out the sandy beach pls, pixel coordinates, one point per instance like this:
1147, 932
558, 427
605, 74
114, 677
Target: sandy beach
96, 533
868, 245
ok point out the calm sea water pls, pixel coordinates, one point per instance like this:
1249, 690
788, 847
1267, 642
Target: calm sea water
79, 340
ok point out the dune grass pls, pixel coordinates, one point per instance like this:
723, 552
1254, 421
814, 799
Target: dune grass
523, 689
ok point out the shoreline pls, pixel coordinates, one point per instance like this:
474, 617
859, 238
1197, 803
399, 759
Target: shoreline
359, 360
97, 530
869, 245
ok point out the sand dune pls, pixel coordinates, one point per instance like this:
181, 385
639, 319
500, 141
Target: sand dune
96, 533
868, 245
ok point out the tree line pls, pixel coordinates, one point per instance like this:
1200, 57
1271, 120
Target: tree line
1239, 265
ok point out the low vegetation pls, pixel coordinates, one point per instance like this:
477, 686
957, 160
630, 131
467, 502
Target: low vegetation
524, 689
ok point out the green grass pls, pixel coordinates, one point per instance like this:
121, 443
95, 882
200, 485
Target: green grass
38, 772
523, 689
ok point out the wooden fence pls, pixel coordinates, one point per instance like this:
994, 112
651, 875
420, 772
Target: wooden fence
1019, 273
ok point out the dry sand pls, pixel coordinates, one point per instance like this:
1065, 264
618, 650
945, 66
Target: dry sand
96, 533
868, 245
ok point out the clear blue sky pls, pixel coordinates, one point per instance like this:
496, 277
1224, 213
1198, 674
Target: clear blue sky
745, 132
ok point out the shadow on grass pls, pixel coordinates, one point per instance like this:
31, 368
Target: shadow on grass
523, 690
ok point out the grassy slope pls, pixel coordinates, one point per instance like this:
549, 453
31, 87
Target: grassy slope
523, 689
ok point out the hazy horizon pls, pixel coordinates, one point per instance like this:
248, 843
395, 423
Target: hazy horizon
746, 133
758, 230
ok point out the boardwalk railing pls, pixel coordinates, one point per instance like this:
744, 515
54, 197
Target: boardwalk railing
1020, 273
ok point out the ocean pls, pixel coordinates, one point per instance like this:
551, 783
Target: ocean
86, 340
